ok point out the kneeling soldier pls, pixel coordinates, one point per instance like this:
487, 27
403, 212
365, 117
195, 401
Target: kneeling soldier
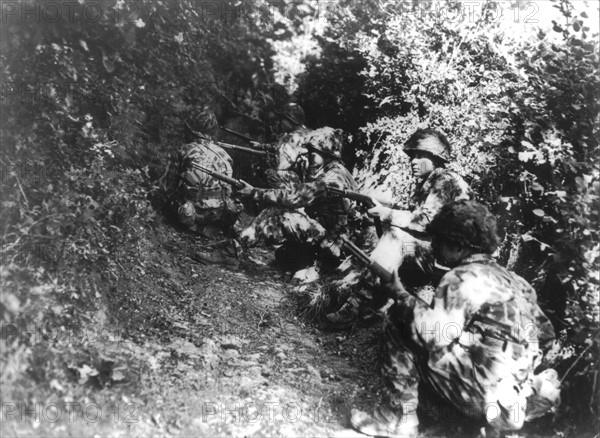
475, 346
324, 215
203, 203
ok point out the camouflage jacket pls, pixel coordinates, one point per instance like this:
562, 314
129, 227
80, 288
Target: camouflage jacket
291, 146
196, 186
439, 188
329, 211
484, 326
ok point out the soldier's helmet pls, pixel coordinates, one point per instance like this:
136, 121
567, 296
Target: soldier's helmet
431, 141
467, 224
202, 121
326, 141
294, 113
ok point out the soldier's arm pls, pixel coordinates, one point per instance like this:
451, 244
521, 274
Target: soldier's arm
443, 322
299, 196
446, 189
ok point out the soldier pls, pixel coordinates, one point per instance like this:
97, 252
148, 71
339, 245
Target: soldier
405, 239
324, 215
475, 346
288, 126
203, 204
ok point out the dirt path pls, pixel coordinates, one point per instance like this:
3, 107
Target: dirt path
240, 363
195, 350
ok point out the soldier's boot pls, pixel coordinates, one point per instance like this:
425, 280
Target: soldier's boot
386, 421
346, 315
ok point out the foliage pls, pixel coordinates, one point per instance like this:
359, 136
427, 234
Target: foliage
93, 98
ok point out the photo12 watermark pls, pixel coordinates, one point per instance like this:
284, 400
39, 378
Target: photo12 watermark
89, 11
265, 412
70, 412
45, 333
465, 11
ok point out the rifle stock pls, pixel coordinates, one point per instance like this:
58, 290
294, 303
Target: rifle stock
236, 183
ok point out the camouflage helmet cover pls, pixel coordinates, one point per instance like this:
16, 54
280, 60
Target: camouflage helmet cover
466, 223
203, 121
428, 140
326, 141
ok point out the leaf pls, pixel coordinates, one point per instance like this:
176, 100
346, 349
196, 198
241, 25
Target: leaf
85, 372
557, 28
539, 212
527, 144
108, 63
117, 375
584, 15
527, 237
537, 187
552, 70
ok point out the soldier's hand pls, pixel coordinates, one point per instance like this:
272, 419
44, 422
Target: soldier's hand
379, 211
257, 145
245, 191
395, 288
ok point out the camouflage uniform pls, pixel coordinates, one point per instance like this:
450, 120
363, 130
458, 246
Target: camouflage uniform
405, 237
284, 218
285, 171
323, 213
201, 199
476, 346
282, 172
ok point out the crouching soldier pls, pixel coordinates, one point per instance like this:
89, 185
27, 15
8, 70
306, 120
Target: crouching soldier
475, 346
288, 162
288, 127
203, 204
305, 216
406, 242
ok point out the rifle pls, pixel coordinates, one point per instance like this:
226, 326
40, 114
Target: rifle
242, 148
359, 197
236, 183
232, 146
237, 134
375, 267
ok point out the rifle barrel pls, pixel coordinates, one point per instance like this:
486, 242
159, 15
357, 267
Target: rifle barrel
237, 134
241, 148
227, 179
355, 196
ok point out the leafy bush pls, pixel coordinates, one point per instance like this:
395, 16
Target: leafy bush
92, 105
